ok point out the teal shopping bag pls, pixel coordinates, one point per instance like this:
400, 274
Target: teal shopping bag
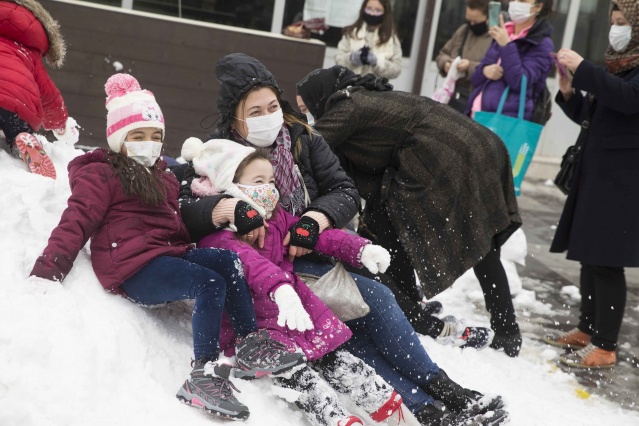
519, 136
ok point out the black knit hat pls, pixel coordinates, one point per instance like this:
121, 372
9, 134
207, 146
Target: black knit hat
236, 74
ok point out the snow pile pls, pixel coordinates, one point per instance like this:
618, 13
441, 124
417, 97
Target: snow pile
73, 354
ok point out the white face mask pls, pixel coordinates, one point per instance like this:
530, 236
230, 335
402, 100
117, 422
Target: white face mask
263, 130
310, 119
144, 152
619, 37
519, 12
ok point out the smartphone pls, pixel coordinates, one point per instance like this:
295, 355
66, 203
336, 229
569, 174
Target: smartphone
494, 10
562, 69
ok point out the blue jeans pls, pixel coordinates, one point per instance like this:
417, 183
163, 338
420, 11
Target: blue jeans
210, 276
385, 340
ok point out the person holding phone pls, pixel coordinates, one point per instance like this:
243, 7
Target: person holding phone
520, 47
470, 42
599, 226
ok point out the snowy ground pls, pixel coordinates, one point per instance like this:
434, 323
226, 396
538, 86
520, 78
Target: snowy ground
72, 354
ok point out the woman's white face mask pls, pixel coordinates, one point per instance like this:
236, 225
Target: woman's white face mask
310, 119
144, 152
619, 37
263, 130
519, 12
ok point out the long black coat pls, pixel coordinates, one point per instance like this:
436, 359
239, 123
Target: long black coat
447, 179
600, 221
330, 189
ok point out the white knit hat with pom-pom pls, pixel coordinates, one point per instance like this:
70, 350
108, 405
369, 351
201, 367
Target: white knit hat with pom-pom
128, 108
218, 159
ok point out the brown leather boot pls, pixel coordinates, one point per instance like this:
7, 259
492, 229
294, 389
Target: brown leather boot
590, 357
573, 339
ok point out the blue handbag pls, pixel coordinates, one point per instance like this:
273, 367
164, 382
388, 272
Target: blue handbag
520, 136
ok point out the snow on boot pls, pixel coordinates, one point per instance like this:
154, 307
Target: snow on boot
317, 400
209, 388
350, 375
510, 344
456, 333
258, 355
590, 356
431, 307
438, 415
459, 399
33, 153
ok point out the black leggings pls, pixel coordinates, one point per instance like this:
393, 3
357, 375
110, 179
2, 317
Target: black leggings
499, 302
603, 300
12, 125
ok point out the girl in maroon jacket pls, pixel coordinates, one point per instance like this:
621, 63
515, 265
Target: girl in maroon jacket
28, 97
126, 202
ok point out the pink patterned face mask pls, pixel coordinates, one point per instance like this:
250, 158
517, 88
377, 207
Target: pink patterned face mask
265, 196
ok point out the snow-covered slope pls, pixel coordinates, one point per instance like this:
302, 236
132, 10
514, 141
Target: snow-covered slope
72, 354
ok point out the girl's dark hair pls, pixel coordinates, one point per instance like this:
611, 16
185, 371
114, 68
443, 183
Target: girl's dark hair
386, 29
258, 154
547, 7
139, 181
481, 5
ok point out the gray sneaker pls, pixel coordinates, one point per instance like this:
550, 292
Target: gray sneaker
210, 389
258, 355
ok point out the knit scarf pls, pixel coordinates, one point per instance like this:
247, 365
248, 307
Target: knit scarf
286, 179
627, 59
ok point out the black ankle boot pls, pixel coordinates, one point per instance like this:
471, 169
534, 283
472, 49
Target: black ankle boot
510, 344
438, 415
459, 399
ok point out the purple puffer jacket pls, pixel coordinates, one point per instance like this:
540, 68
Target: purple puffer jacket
125, 233
529, 55
268, 268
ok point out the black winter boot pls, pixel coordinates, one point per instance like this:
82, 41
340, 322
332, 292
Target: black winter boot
438, 415
510, 344
459, 399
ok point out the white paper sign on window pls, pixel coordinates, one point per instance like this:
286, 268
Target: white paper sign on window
338, 13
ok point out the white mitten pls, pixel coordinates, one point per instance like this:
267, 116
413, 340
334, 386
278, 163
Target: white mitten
292, 313
70, 134
375, 258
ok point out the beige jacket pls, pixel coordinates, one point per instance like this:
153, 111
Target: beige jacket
389, 54
474, 50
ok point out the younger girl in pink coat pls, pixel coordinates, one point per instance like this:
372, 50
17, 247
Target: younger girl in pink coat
284, 305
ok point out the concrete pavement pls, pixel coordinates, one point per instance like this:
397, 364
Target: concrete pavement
546, 273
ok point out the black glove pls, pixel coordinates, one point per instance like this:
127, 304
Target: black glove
363, 52
305, 233
246, 218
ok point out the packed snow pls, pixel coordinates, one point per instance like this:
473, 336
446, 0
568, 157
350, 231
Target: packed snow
72, 354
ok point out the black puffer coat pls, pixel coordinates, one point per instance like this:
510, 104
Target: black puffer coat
331, 191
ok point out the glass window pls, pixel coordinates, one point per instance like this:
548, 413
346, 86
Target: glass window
591, 34
404, 12
253, 14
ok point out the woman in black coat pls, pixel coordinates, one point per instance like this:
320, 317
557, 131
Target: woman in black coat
438, 187
599, 226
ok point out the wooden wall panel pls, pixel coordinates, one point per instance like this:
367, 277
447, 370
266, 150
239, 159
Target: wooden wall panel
175, 59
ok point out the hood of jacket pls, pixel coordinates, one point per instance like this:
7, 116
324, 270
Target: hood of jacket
236, 74
539, 31
54, 55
